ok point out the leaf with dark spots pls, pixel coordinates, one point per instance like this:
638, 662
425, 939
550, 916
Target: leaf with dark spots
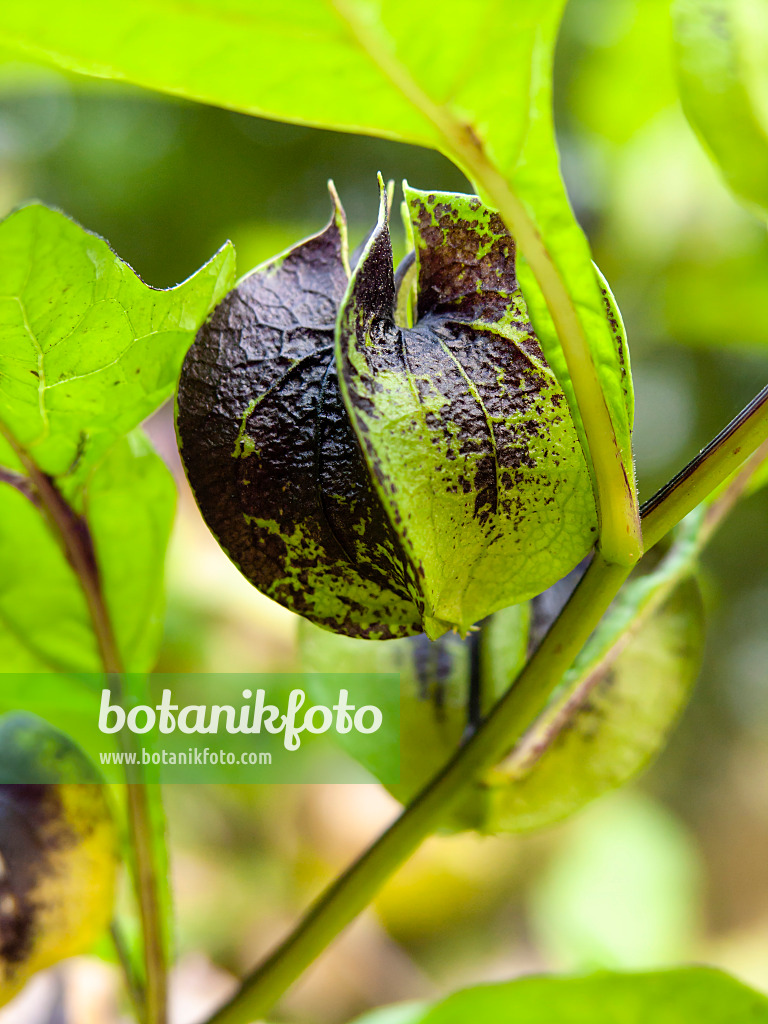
616, 705
621, 348
271, 456
463, 425
57, 851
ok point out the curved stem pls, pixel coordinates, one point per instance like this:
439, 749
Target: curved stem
508, 720
353, 890
620, 537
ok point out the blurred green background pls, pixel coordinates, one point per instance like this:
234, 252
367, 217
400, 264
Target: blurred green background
675, 869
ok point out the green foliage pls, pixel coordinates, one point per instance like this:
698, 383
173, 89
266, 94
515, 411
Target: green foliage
31, 601
88, 351
667, 997
360, 67
129, 500
129, 504
722, 52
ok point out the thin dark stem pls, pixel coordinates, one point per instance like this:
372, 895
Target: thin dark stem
147, 887
74, 537
707, 470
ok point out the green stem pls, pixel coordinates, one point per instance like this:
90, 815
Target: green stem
73, 535
353, 890
148, 894
620, 535
508, 720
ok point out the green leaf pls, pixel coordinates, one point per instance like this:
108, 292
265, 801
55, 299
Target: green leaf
463, 425
627, 858
722, 58
615, 707
87, 350
129, 497
44, 622
680, 996
358, 65
130, 501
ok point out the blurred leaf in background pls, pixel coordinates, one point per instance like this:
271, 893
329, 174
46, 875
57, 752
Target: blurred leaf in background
722, 54
623, 891
698, 993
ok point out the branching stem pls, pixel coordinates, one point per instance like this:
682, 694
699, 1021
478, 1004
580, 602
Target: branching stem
508, 721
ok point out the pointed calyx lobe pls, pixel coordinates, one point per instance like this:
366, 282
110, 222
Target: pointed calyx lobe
271, 455
384, 480
465, 431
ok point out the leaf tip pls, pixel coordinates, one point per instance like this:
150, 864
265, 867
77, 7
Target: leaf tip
339, 218
384, 201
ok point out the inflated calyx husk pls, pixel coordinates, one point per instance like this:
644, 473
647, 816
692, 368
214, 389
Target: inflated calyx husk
380, 478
